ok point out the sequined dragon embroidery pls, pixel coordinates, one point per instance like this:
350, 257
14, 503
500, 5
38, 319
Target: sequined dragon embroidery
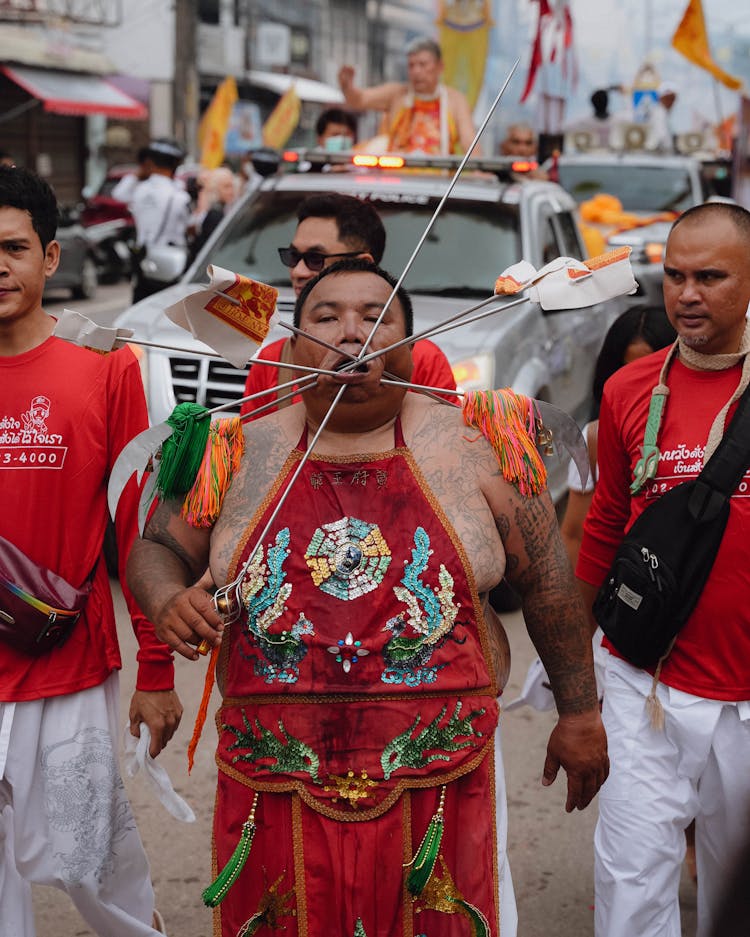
407, 750
280, 755
264, 594
430, 615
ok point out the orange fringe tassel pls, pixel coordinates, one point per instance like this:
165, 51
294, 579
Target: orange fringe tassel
200, 718
221, 460
509, 422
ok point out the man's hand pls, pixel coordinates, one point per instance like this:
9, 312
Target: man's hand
161, 710
346, 77
186, 619
578, 743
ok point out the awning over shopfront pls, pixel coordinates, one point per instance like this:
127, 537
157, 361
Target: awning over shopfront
75, 94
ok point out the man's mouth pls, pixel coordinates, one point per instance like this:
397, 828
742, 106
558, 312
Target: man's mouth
345, 366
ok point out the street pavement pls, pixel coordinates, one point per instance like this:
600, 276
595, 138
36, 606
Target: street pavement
550, 851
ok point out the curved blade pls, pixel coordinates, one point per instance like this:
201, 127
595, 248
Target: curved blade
147, 497
567, 433
134, 457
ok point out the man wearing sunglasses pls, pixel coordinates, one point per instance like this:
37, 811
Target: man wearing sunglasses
331, 228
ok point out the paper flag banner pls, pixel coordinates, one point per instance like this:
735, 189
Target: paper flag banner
567, 283
78, 329
235, 330
515, 278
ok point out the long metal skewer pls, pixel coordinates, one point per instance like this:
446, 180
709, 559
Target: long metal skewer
222, 595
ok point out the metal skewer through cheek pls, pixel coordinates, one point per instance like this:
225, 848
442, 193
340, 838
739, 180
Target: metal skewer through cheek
226, 600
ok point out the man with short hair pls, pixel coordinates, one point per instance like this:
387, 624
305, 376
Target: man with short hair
66, 414
423, 115
520, 140
160, 207
696, 765
359, 687
336, 129
332, 227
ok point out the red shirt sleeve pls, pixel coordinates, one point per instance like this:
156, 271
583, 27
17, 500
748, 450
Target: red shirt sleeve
127, 417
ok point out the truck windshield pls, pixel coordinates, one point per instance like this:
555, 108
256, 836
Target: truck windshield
470, 244
639, 188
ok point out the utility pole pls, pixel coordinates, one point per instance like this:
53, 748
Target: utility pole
185, 85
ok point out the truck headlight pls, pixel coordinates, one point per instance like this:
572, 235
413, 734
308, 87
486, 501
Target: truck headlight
474, 373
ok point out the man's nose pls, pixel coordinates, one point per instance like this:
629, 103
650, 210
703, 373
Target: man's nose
689, 292
300, 269
352, 329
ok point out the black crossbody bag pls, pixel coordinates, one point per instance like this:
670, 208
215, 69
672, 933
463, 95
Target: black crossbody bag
663, 563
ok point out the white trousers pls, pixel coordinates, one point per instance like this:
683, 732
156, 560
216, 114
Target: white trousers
698, 767
507, 897
64, 817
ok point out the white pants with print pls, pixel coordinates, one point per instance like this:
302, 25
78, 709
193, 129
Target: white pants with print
65, 819
697, 766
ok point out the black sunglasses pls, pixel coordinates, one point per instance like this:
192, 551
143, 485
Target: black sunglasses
314, 260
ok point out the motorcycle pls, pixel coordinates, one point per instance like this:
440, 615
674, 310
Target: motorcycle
112, 243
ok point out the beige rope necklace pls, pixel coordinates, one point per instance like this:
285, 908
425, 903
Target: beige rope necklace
645, 468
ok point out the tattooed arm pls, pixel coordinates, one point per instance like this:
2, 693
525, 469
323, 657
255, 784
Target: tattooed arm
162, 568
538, 568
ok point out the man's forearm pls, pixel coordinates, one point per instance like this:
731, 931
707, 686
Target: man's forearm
588, 593
155, 573
557, 626
538, 567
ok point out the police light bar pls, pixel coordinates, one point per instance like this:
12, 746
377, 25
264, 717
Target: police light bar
315, 160
524, 165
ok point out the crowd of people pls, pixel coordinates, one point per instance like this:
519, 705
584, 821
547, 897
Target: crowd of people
360, 784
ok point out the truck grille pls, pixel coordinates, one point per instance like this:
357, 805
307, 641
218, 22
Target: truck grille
212, 382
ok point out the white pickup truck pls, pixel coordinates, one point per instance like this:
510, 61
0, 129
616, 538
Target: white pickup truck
493, 218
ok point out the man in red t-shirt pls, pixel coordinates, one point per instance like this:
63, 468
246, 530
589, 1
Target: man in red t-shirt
329, 228
696, 764
65, 414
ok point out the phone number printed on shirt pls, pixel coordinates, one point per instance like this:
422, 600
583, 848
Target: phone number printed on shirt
22, 457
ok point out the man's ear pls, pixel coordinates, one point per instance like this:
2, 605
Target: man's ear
51, 258
366, 255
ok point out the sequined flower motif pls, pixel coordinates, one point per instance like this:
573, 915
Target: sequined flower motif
348, 558
348, 651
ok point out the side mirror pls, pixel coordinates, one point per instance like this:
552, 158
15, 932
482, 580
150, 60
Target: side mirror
265, 161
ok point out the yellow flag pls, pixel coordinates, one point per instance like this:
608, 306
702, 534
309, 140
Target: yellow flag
283, 119
464, 36
691, 39
215, 123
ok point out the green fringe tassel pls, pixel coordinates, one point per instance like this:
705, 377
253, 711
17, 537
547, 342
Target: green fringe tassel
423, 862
182, 453
252, 926
479, 924
359, 929
217, 890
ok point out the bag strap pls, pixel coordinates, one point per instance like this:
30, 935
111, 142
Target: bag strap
724, 470
164, 220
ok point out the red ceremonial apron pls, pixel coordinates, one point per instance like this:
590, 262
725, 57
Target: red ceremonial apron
357, 684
